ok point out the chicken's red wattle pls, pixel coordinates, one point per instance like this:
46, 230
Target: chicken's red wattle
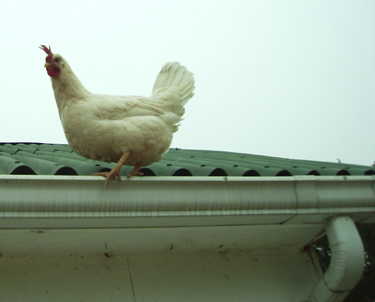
53, 72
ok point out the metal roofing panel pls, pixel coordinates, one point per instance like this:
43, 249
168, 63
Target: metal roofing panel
57, 159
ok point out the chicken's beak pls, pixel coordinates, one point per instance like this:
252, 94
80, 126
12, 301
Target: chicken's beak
47, 65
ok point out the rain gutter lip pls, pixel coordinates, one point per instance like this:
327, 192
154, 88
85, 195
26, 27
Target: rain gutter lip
194, 178
82, 201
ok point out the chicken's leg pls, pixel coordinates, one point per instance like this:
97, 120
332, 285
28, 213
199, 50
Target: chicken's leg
115, 172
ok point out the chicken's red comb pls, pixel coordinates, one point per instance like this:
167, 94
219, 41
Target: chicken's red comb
47, 51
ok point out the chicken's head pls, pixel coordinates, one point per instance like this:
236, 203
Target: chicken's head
54, 63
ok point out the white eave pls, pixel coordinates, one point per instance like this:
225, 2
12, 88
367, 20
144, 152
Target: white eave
83, 202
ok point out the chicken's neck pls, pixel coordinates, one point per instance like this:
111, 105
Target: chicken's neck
68, 87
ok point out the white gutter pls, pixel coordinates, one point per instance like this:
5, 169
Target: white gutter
346, 264
82, 201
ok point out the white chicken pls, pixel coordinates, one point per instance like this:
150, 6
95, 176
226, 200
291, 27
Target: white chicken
130, 130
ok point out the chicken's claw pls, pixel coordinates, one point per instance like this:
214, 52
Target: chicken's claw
115, 172
109, 175
135, 173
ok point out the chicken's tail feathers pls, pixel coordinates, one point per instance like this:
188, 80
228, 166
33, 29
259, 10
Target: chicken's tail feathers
174, 75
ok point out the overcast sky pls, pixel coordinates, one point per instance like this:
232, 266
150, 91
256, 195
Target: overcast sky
291, 79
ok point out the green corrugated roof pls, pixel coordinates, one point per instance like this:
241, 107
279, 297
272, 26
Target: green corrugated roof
53, 159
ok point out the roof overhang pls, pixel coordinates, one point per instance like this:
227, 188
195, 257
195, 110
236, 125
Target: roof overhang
82, 202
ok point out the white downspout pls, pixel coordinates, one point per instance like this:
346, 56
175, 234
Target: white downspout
347, 261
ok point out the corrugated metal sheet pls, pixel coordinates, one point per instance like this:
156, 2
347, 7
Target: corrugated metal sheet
54, 159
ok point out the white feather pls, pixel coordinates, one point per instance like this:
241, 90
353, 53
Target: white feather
104, 127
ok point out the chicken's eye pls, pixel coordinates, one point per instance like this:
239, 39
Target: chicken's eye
57, 60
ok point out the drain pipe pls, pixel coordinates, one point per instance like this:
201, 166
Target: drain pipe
346, 264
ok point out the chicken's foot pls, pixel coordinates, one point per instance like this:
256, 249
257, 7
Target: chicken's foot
136, 171
115, 172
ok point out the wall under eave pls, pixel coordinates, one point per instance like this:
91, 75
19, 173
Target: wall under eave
201, 277
264, 262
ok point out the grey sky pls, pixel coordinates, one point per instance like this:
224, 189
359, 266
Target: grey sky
281, 78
